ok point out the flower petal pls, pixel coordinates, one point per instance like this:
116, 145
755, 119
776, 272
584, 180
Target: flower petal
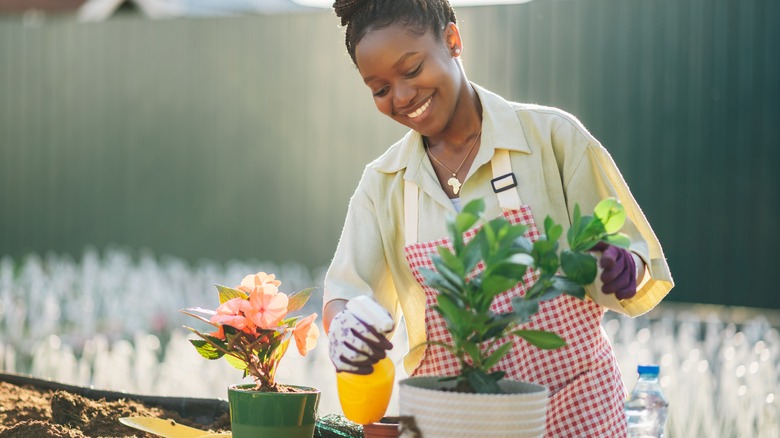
306, 334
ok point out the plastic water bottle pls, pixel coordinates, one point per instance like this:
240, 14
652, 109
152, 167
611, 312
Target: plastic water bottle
646, 406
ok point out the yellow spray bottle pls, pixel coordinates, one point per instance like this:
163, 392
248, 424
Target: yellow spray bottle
364, 398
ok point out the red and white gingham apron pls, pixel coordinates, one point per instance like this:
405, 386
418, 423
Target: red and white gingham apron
586, 389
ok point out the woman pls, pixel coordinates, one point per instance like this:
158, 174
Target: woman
527, 162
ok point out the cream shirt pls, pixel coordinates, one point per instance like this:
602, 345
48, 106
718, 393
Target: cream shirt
557, 163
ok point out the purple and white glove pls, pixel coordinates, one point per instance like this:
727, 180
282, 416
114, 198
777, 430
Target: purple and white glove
357, 336
618, 271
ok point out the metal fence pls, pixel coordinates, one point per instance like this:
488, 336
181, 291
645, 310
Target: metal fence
243, 137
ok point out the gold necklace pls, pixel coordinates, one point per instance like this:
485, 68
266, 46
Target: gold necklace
453, 182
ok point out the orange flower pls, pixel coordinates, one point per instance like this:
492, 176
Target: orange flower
232, 313
306, 334
259, 281
220, 333
267, 307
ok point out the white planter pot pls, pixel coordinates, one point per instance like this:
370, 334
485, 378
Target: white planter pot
519, 413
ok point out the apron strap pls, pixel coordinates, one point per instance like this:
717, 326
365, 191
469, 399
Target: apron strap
503, 182
411, 205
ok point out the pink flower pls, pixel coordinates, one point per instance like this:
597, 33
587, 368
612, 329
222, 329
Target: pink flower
306, 334
232, 313
268, 307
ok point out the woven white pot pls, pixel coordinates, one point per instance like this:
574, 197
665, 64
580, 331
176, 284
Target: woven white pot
519, 413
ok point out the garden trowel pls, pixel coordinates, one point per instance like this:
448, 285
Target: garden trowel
167, 428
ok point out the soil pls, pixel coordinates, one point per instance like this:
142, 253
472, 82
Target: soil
30, 412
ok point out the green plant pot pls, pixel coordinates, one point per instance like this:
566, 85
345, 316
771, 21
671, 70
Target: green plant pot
255, 414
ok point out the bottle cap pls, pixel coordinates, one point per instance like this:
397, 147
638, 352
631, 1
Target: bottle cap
648, 369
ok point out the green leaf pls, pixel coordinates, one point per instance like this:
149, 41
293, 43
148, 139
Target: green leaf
189, 311
451, 261
568, 287
495, 284
551, 229
494, 357
510, 269
545, 255
521, 259
236, 363
611, 214
620, 240
205, 349
454, 316
472, 350
578, 267
464, 221
455, 281
541, 339
228, 293
298, 299
524, 309
575, 227
483, 383
471, 253
494, 327
475, 207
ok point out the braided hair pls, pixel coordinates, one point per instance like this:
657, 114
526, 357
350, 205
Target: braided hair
418, 16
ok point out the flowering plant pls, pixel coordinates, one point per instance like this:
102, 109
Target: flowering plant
253, 327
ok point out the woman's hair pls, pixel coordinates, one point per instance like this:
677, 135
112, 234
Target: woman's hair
418, 16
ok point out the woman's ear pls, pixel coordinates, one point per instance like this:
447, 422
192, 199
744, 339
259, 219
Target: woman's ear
452, 39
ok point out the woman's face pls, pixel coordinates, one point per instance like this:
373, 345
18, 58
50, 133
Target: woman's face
415, 80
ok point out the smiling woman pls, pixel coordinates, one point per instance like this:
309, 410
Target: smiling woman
527, 163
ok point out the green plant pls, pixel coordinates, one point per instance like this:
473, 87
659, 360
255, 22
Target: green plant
253, 327
465, 297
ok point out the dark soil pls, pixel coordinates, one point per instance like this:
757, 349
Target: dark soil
30, 412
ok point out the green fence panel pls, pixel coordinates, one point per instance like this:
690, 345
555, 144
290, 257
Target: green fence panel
244, 137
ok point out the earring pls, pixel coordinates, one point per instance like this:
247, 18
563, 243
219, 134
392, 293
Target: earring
456, 50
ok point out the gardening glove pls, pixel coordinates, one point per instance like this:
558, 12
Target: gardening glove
617, 271
357, 336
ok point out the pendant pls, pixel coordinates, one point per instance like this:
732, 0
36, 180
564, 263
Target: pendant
454, 183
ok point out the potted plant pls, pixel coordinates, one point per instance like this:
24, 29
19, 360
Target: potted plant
468, 277
253, 332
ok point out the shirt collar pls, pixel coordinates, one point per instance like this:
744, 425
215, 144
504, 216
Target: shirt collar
501, 129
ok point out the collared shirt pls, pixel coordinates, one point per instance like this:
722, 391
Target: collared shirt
557, 163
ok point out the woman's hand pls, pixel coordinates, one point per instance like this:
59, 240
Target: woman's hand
618, 271
357, 336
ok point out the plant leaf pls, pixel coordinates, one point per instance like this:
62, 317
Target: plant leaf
228, 293
497, 355
524, 309
568, 287
495, 284
298, 299
552, 230
541, 339
611, 214
474, 207
205, 349
483, 383
451, 261
436, 281
579, 267
189, 311
236, 363
619, 240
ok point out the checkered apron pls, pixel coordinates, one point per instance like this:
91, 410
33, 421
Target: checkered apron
586, 389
